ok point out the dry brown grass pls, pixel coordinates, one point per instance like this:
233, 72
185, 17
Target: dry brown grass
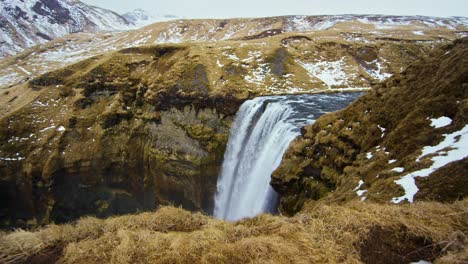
326, 234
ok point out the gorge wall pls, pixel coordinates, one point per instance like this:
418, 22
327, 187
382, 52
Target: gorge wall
94, 139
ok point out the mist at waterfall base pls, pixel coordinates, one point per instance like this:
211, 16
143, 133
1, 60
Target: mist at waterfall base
262, 131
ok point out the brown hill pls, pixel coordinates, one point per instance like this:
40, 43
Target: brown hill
368, 30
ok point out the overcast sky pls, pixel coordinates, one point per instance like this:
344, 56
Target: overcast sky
260, 8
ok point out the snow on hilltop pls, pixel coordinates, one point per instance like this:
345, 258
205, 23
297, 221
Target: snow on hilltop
25, 23
140, 18
366, 29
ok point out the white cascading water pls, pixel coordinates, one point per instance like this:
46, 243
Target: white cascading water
262, 131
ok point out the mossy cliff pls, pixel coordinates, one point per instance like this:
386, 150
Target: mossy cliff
110, 135
359, 152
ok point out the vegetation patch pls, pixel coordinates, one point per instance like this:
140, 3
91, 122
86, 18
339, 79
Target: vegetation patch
350, 233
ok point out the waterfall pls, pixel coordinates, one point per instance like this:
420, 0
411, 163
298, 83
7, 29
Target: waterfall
262, 131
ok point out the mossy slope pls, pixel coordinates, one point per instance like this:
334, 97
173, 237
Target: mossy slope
383, 130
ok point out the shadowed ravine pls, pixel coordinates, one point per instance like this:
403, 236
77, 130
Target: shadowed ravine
261, 133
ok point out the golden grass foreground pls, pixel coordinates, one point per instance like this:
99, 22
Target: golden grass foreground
353, 233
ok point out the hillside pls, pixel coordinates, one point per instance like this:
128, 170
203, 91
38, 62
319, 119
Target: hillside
154, 122
26, 23
342, 177
373, 31
403, 141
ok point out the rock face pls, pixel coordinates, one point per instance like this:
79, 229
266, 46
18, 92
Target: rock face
27, 23
379, 147
101, 137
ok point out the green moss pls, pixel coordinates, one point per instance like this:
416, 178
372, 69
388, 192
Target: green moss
101, 206
200, 132
154, 117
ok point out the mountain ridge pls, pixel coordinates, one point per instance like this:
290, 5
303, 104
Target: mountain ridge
30, 22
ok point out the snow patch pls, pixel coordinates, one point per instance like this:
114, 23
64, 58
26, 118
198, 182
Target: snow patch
300, 24
361, 182
442, 121
452, 148
24, 70
360, 192
258, 74
332, 73
9, 79
382, 130
231, 56
47, 128
385, 23
377, 73
174, 34
13, 159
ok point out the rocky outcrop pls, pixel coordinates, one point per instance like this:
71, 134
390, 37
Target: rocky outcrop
378, 146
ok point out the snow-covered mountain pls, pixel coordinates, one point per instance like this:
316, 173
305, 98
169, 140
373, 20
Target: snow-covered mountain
25, 23
141, 18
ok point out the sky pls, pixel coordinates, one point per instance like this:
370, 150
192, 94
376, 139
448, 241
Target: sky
262, 8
